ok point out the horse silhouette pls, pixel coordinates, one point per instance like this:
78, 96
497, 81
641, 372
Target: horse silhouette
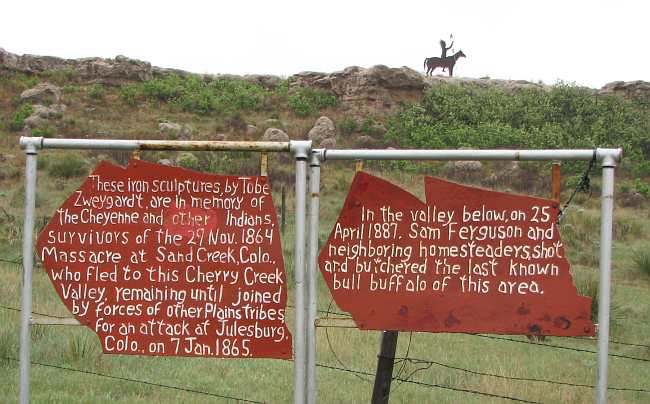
430, 64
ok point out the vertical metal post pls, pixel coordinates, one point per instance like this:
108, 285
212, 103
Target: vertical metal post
28, 266
556, 177
301, 153
264, 164
385, 364
358, 166
312, 274
607, 212
283, 209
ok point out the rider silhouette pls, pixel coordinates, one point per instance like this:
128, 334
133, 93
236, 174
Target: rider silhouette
444, 47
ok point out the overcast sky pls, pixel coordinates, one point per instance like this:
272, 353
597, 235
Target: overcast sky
590, 43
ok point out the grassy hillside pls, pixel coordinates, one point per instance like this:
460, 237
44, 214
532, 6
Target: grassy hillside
448, 117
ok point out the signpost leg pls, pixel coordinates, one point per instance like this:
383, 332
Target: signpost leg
385, 362
28, 266
312, 275
607, 212
299, 274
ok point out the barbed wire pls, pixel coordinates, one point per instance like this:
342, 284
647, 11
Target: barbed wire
418, 361
431, 385
49, 365
560, 347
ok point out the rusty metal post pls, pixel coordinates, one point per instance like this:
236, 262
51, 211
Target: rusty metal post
556, 183
358, 166
312, 273
264, 164
385, 363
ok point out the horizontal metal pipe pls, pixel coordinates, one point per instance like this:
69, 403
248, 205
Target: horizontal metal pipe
115, 144
404, 154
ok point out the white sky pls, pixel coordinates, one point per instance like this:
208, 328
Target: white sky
587, 42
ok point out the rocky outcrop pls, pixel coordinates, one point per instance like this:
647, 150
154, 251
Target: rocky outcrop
43, 93
275, 135
93, 69
175, 130
629, 90
323, 129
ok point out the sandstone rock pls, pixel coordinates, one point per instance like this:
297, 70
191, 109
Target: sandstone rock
53, 110
220, 137
329, 143
630, 90
323, 129
43, 93
166, 162
174, 130
464, 166
34, 121
251, 130
275, 135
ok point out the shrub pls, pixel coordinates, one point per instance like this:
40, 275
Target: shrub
67, 167
221, 97
188, 160
129, 94
642, 187
18, 118
308, 101
565, 116
96, 92
348, 125
46, 131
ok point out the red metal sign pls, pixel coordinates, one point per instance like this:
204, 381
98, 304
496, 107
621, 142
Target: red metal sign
161, 260
467, 260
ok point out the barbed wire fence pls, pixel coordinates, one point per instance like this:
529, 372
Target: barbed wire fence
401, 377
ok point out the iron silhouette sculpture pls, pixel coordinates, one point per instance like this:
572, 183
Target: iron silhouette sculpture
448, 62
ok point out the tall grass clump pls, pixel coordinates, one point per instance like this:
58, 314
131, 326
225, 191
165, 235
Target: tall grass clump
17, 120
565, 116
641, 260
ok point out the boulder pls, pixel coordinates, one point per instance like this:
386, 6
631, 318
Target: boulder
219, 137
166, 162
34, 121
54, 110
174, 130
323, 129
329, 143
275, 135
45, 93
464, 166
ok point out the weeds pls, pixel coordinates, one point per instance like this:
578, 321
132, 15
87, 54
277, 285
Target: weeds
97, 92
67, 167
641, 260
17, 121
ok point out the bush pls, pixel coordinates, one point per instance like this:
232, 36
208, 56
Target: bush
18, 118
67, 167
307, 101
224, 97
46, 131
129, 94
96, 92
452, 116
188, 160
348, 125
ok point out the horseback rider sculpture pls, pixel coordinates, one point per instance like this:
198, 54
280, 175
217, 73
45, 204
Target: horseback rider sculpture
444, 47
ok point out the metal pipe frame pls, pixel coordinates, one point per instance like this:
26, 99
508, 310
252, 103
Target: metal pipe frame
528, 155
607, 214
301, 151
31, 145
608, 158
158, 145
312, 273
28, 266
